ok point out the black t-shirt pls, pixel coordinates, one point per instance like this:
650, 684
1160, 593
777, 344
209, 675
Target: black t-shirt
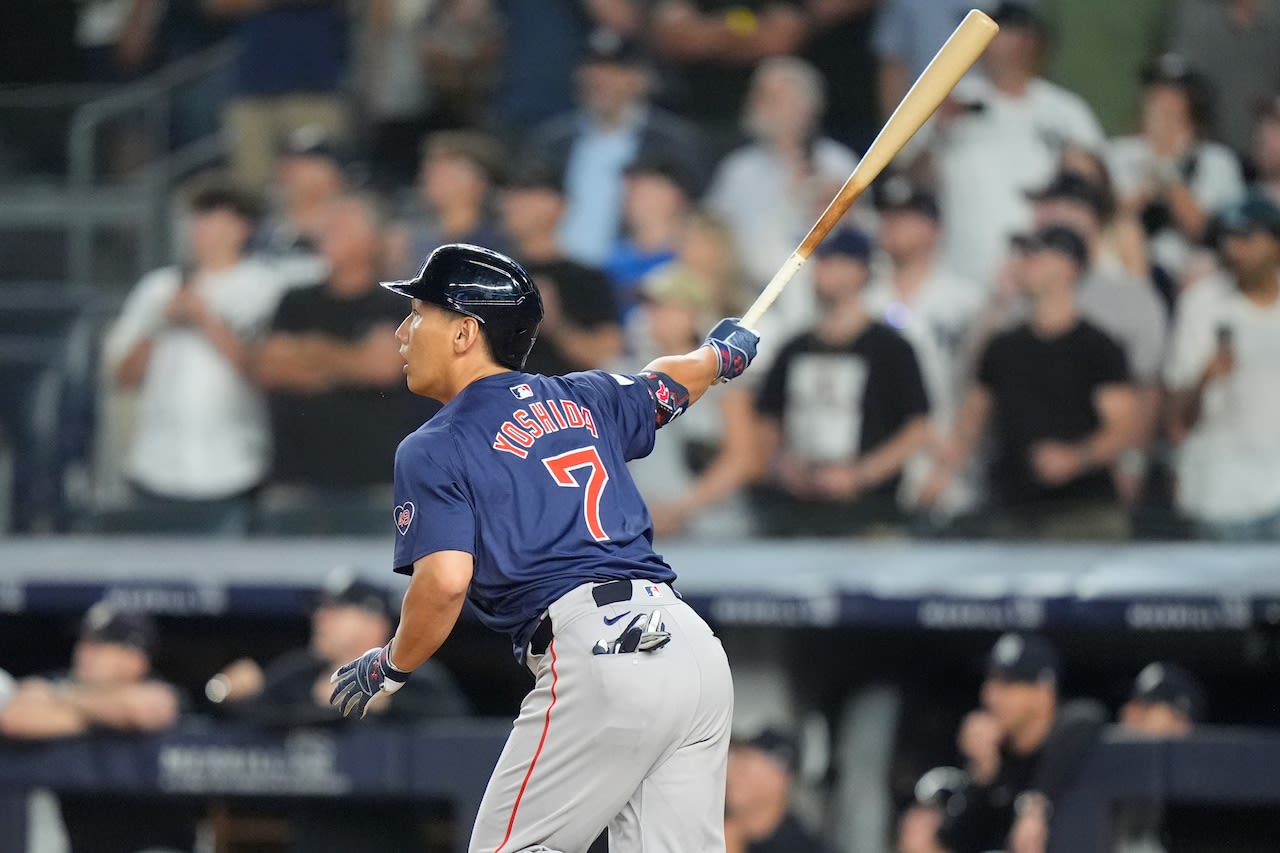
346, 437
836, 403
1044, 389
788, 837
586, 300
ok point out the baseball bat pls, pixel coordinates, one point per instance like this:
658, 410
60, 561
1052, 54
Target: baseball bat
948, 65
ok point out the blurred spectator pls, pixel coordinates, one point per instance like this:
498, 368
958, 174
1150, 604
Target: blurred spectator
713, 45
919, 823
580, 328
707, 250
109, 687
1021, 750
463, 42
999, 135
907, 35
1124, 306
184, 338
310, 174
654, 210
1266, 149
1128, 34
843, 408
1166, 702
1123, 240
291, 64
1232, 42
1059, 394
614, 125
392, 84
455, 184
758, 786
350, 617
115, 38
770, 191
915, 293
1221, 373
839, 45
335, 380
692, 480
1168, 173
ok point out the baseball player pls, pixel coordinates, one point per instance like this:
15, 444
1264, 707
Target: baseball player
516, 496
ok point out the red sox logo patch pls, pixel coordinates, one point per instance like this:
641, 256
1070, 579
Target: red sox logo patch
404, 517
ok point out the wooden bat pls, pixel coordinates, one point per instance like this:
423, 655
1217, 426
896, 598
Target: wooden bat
948, 65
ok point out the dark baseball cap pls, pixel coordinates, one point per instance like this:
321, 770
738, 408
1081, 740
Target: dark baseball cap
353, 592
1055, 238
1021, 15
317, 142
1073, 186
606, 45
901, 194
776, 743
1255, 212
1164, 683
105, 622
846, 242
1172, 69
1023, 657
661, 166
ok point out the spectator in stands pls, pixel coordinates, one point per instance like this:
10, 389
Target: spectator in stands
1124, 306
1169, 173
758, 785
708, 251
334, 376
1225, 401
114, 38
919, 823
1232, 42
351, 615
463, 42
999, 135
713, 45
310, 174
692, 482
1021, 750
184, 337
654, 211
591, 147
580, 328
1123, 239
936, 310
290, 65
842, 409
1059, 394
1266, 149
907, 35
839, 44
455, 184
770, 191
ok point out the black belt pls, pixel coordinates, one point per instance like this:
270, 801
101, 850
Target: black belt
610, 592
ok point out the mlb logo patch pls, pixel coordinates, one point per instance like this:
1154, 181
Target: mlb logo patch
522, 391
653, 592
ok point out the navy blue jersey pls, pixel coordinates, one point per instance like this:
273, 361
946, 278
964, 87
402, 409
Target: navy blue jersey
528, 474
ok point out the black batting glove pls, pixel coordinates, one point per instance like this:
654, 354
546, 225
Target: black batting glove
359, 681
735, 345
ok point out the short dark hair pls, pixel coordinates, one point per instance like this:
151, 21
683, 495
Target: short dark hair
226, 197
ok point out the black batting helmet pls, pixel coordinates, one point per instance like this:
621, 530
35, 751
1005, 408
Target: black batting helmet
486, 285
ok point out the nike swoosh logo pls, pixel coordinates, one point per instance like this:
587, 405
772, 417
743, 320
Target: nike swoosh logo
615, 619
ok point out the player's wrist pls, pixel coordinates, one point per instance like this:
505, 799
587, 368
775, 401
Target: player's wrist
393, 671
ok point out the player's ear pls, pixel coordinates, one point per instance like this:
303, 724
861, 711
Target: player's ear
465, 334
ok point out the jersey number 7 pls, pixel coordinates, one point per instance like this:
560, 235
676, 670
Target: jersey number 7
562, 467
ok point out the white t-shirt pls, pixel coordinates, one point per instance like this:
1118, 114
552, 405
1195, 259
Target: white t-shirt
989, 157
1229, 466
203, 429
1215, 183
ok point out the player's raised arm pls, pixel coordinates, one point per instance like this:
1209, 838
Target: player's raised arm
724, 355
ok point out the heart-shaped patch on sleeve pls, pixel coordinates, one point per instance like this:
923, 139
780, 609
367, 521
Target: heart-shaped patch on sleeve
404, 517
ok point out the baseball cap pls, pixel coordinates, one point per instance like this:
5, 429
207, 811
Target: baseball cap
353, 592
663, 167
1073, 186
1164, 683
1013, 14
1055, 238
1171, 68
778, 745
1023, 657
937, 785
607, 45
104, 622
899, 193
313, 140
1255, 212
849, 242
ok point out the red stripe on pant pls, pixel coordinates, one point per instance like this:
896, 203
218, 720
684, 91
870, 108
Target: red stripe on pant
546, 725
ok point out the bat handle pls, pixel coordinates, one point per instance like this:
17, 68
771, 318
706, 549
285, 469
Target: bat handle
771, 291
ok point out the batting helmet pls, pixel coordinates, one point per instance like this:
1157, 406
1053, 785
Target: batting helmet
483, 284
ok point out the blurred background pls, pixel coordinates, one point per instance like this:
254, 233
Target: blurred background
988, 529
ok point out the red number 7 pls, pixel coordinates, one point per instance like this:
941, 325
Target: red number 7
562, 467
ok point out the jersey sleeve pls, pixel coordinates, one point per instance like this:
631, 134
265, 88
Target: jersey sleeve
908, 382
1109, 363
630, 405
433, 510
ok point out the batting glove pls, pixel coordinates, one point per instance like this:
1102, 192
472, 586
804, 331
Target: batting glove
359, 681
735, 345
